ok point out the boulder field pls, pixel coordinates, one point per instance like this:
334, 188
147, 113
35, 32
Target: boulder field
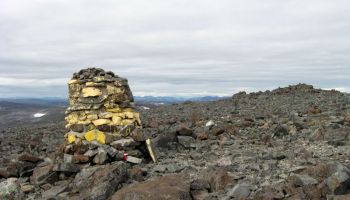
288, 143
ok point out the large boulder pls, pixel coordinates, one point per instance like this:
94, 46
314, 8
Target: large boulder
186, 141
171, 187
99, 182
218, 179
42, 175
184, 130
339, 181
240, 191
54, 191
9, 189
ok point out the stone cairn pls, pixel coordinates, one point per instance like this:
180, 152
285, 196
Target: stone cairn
102, 125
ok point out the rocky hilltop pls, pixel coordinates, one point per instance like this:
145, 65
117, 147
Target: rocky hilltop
288, 143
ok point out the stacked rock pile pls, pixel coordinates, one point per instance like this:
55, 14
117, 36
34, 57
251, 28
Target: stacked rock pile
100, 118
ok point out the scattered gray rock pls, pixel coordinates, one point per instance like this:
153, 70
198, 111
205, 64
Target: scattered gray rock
101, 156
210, 124
9, 189
164, 140
283, 142
25, 169
99, 182
241, 190
159, 168
218, 129
112, 152
218, 178
133, 159
54, 191
127, 142
339, 182
338, 197
90, 153
186, 141
200, 184
184, 130
42, 175
301, 180
66, 167
29, 158
171, 187
27, 188
67, 158
280, 131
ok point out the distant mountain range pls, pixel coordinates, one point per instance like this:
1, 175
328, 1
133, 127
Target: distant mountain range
58, 101
45, 101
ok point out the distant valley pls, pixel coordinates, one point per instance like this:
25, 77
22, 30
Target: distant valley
31, 111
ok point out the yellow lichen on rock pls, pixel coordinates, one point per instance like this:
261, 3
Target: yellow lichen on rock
97, 135
99, 122
137, 118
105, 115
126, 122
73, 81
92, 117
84, 122
129, 115
111, 89
93, 84
99, 78
68, 126
116, 120
114, 110
100, 137
74, 90
72, 118
121, 115
128, 110
109, 105
91, 92
90, 135
83, 117
71, 138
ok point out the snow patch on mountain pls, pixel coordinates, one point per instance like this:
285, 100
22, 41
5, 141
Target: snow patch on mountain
37, 115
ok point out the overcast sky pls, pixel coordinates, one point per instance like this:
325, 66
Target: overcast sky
175, 47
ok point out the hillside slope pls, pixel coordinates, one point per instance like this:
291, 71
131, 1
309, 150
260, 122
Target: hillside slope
289, 143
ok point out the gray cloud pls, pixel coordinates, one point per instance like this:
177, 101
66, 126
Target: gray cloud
177, 47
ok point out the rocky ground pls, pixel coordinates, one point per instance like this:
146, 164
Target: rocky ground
289, 143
